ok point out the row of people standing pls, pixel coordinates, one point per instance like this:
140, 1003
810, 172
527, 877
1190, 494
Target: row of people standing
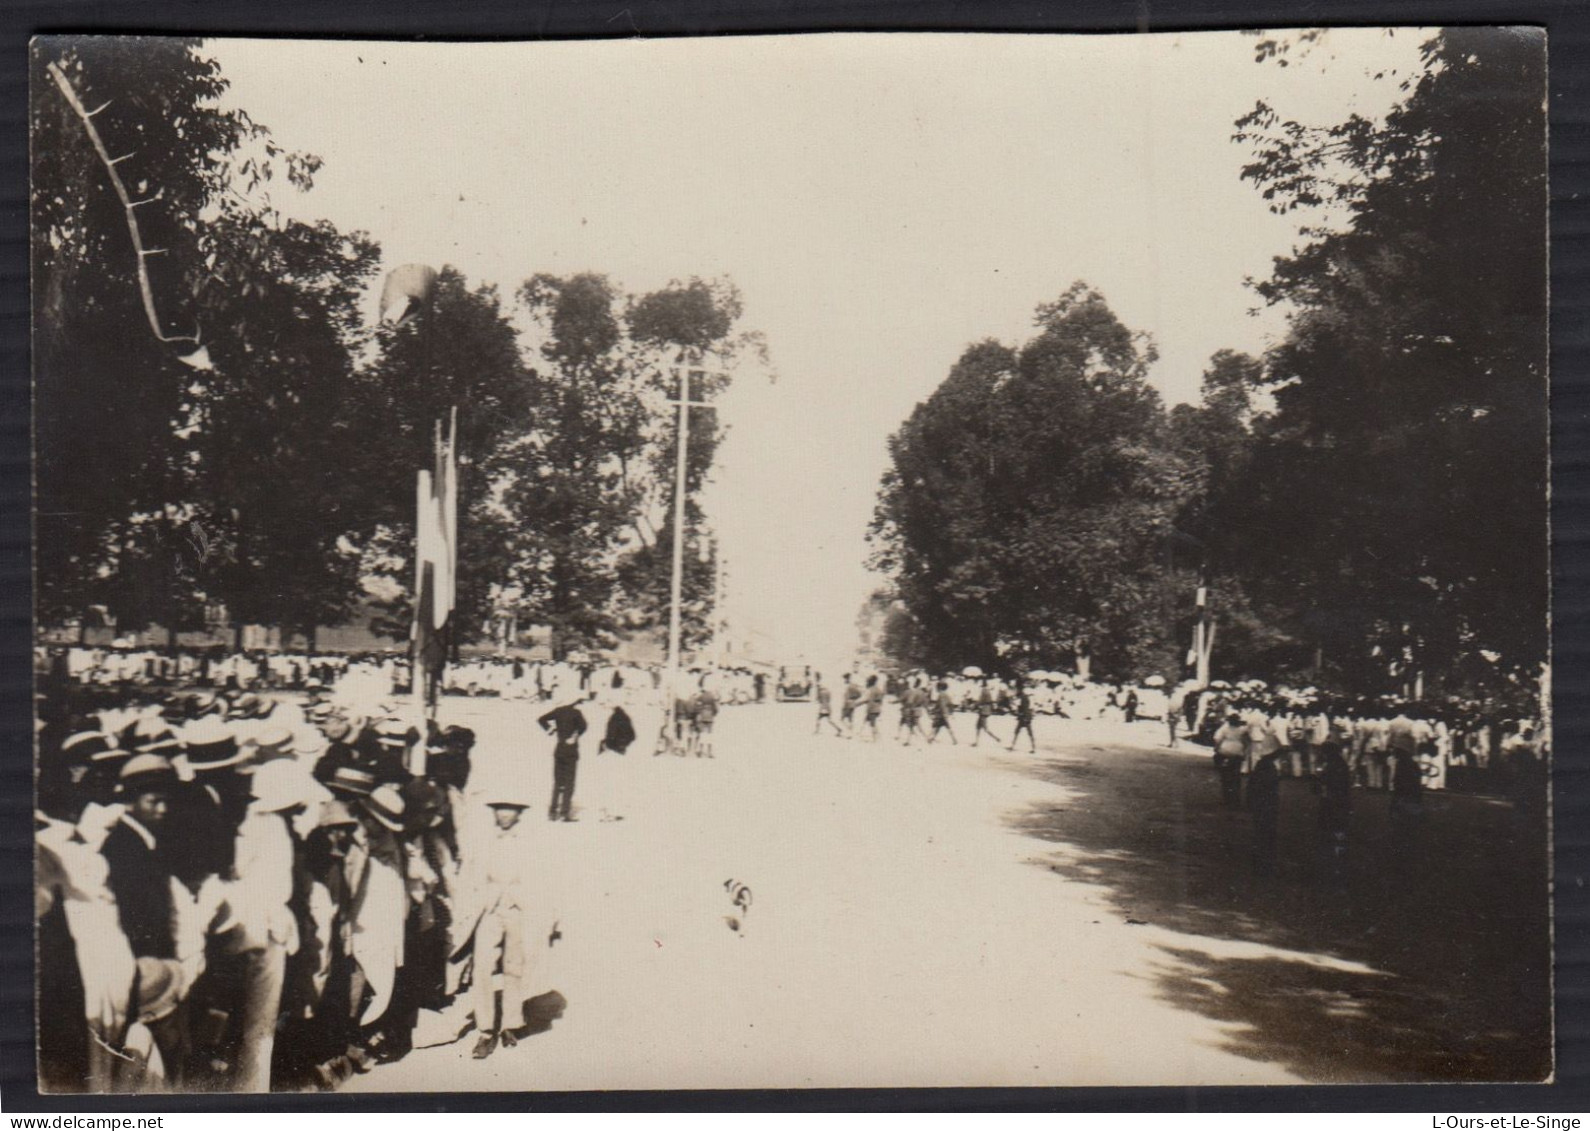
1255, 749
1484, 753
238, 894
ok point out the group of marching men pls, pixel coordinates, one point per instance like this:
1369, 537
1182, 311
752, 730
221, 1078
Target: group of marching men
238, 894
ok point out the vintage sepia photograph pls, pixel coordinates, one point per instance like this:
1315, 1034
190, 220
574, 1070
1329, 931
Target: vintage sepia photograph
791, 561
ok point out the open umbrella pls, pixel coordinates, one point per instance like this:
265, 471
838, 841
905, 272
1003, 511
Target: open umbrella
1154, 681
972, 671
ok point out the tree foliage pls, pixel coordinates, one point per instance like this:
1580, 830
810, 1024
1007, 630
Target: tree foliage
592, 485
162, 487
277, 475
1407, 446
1029, 499
1367, 500
458, 351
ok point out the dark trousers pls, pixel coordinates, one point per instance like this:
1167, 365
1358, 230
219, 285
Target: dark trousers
1266, 828
1331, 844
1231, 783
563, 769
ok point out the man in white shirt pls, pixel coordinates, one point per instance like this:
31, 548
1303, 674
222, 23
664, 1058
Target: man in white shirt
496, 877
1317, 732
1376, 751
1260, 735
284, 793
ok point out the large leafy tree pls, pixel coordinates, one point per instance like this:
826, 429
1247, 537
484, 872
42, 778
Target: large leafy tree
272, 429
592, 489
168, 479
689, 326
571, 493
1029, 502
1254, 619
1397, 492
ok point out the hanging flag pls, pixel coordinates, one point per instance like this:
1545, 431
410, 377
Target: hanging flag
446, 489
435, 558
423, 635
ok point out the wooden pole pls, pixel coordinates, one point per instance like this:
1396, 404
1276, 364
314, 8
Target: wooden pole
676, 582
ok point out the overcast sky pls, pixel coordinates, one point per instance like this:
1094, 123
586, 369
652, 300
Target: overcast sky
881, 201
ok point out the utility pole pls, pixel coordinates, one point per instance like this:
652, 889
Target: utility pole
676, 584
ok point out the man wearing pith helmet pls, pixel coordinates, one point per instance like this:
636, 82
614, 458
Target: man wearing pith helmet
496, 880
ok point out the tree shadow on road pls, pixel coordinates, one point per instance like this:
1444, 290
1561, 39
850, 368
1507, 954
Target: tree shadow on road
1431, 964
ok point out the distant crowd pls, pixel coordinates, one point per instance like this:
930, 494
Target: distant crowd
383, 674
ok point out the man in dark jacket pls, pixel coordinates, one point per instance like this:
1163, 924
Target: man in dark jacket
567, 724
1335, 786
620, 732
140, 877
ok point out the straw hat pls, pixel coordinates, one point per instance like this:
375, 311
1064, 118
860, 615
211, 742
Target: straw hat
385, 804
146, 771
348, 779
281, 784
210, 744
92, 746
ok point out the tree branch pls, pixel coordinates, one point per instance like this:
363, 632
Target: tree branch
127, 203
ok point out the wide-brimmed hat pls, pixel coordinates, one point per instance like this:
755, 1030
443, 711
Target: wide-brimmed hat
151, 733
210, 744
385, 804
272, 743
506, 797
350, 779
146, 771
92, 746
283, 784
160, 988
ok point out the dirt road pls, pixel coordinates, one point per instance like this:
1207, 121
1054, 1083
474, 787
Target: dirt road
950, 916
